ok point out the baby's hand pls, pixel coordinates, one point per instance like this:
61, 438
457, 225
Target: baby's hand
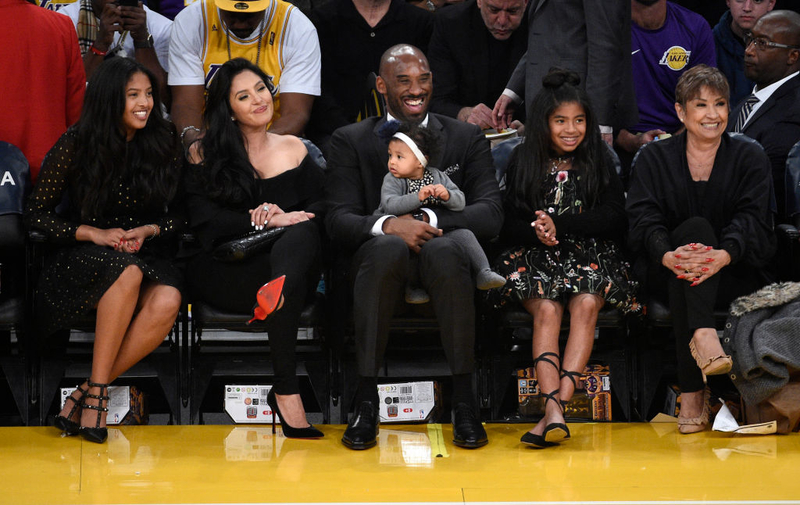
426, 192
440, 192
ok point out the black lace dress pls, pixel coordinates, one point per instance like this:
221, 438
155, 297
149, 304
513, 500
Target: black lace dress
577, 264
77, 274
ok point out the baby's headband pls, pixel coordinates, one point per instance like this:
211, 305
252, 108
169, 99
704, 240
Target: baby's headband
411, 145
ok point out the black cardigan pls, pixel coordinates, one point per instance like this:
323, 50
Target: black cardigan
738, 199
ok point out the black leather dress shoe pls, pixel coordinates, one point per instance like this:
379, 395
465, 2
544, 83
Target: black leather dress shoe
468, 431
362, 431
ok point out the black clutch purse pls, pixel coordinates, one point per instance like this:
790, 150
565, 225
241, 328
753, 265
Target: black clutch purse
243, 246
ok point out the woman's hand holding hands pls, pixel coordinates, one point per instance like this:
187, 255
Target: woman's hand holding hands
290, 218
261, 217
695, 262
545, 228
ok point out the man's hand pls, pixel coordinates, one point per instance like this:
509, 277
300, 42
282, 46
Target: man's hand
503, 112
110, 22
480, 115
134, 19
414, 233
632, 142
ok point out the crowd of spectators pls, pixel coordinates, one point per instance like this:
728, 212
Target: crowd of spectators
636, 71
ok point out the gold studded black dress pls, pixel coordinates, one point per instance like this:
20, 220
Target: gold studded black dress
77, 274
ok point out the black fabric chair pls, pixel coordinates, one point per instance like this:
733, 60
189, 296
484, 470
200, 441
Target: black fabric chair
16, 352
788, 259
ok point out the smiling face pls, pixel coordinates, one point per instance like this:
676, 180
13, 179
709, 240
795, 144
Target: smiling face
138, 104
706, 115
745, 13
403, 164
502, 17
407, 83
567, 127
250, 100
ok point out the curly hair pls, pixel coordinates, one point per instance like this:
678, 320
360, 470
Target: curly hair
426, 139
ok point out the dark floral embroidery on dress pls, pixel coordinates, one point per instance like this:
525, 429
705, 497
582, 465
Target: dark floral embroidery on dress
575, 265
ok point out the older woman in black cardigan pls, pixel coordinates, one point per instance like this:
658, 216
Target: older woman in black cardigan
700, 208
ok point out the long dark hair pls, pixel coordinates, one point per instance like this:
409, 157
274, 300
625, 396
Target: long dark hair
525, 188
104, 156
228, 175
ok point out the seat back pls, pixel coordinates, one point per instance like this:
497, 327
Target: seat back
793, 184
374, 103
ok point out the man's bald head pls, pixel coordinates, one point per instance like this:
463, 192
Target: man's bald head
406, 82
392, 56
772, 63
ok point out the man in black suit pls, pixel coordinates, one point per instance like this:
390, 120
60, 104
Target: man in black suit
590, 37
474, 48
772, 61
382, 247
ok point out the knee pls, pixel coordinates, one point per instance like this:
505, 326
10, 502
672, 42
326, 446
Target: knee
583, 306
547, 311
131, 277
166, 300
694, 229
443, 254
387, 252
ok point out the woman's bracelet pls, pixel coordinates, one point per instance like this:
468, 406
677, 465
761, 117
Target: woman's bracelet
155, 231
186, 130
96, 51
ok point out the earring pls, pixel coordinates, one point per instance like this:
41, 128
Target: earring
233, 118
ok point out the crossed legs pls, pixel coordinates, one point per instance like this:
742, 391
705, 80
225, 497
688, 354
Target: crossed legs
133, 317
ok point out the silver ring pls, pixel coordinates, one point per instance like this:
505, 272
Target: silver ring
266, 208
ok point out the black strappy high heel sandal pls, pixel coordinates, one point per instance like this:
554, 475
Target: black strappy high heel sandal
96, 434
553, 432
66, 424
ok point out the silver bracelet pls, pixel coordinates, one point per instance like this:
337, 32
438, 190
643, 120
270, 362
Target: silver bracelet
190, 127
155, 231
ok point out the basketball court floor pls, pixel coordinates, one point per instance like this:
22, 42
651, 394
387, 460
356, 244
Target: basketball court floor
601, 463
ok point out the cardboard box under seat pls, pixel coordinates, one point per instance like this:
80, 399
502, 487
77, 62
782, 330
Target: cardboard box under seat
591, 400
408, 401
247, 404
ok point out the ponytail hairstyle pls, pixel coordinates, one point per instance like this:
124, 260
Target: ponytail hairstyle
104, 157
525, 186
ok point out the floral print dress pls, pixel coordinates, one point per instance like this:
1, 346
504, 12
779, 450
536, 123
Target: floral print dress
577, 264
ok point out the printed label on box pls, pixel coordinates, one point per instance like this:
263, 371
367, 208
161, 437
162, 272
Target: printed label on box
119, 403
591, 400
409, 401
248, 404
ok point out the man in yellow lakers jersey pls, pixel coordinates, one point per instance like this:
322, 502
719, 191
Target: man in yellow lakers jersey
273, 34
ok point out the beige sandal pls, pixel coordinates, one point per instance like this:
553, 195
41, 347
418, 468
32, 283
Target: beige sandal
715, 365
688, 425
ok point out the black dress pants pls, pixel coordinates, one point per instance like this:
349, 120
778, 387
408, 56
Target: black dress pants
380, 272
233, 286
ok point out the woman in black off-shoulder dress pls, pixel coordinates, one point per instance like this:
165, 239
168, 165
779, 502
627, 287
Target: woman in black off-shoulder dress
243, 179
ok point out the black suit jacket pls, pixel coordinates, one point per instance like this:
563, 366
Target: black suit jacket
590, 37
776, 126
459, 59
358, 162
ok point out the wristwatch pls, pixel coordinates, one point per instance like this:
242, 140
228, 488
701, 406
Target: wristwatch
144, 44
418, 215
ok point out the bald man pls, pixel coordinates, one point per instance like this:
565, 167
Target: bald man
381, 247
772, 61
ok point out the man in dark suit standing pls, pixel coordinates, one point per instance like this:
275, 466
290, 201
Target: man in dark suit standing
382, 246
771, 114
590, 37
474, 48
